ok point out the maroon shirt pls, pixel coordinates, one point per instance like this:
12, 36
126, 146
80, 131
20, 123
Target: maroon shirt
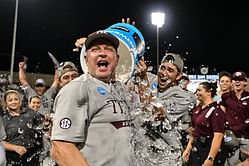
237, 113
208, 120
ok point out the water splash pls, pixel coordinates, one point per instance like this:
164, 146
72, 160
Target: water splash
153, 137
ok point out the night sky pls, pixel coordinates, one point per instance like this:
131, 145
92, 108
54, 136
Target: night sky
210, 33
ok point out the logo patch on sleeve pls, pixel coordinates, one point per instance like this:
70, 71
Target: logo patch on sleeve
101, 90
153, 86
65, 123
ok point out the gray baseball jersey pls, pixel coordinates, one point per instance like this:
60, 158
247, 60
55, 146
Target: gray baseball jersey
93, 115
46, 99
178, 104
163, 145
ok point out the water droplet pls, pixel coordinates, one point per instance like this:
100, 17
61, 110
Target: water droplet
29, 125
20, 130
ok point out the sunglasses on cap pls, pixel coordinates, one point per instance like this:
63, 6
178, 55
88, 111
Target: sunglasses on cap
170, 59
61, 64
239, 79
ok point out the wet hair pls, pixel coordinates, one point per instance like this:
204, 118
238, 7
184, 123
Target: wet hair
225, 73
210, 87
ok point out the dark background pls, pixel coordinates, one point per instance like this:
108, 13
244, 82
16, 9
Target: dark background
212, 33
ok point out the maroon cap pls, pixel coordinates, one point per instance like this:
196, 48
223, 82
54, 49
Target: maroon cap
101, 35
239, 75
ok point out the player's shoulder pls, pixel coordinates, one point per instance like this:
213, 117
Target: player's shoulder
81, 83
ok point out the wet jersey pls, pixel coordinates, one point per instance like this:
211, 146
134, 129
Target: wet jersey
158, 142
23, 129
178, 105
93, 115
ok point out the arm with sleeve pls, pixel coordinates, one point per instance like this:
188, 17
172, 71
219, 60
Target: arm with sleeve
69, 125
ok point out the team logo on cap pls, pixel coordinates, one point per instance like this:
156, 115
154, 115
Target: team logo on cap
65, 123
98, 32
238, 74
101, 90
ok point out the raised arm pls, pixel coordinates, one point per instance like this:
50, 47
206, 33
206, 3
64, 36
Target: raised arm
22, 74
55, 83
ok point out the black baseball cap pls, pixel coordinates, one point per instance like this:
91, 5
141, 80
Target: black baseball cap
101, 34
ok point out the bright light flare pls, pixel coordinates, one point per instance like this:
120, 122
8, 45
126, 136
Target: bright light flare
157, 19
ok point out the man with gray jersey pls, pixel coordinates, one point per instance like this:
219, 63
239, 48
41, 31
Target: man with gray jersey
91, 121
175, 110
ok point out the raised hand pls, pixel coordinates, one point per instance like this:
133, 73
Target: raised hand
22, 65
128, 21
79, 44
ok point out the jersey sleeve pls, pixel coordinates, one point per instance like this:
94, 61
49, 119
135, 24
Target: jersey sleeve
30, 91
71, 118
218, 119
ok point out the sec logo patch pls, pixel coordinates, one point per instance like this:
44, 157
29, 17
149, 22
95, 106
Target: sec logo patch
65, 123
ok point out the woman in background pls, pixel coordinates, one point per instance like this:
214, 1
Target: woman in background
21, 126
34, 103
208, 122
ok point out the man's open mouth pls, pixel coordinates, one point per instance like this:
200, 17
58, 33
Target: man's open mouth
102, 63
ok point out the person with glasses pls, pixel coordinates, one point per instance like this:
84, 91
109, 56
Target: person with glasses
67, 71
236, 105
